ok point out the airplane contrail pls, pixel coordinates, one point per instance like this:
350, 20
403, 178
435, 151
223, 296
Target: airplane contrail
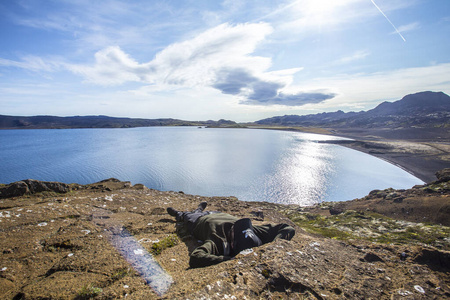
396, 30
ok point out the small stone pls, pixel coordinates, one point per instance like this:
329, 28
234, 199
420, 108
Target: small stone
419, 289
404, 292
138, 252
371, 257
246, 251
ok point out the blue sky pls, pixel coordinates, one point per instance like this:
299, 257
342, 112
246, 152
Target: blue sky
235, 59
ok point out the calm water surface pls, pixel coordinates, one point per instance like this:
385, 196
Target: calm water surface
253, 165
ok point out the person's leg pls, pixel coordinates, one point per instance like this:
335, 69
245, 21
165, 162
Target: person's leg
188, 218
201, 207
178, 214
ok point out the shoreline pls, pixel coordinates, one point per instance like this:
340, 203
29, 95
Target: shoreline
426, 177
421, 157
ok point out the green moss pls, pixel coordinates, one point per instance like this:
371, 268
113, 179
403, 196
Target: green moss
167, 242
88, 291
266, 273
121, 273
373, 227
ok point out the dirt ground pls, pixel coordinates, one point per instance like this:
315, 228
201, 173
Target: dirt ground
64, 246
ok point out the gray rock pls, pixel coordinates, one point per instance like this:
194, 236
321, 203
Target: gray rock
31, 186
443, 175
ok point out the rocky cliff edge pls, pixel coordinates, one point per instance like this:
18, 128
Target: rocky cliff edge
57, 241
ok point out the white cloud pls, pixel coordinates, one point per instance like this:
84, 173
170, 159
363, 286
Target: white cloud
358, 55
113, 66
196, 61
32, 63
366, 90
407, 27
189, 63
221, 57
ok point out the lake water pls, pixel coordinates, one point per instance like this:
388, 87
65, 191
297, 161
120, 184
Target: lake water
251, 164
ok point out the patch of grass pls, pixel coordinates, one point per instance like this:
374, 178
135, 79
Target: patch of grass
333, 233
48, 194
56, 246
121, 273
88, 291
164, 243
266, 273
373, 227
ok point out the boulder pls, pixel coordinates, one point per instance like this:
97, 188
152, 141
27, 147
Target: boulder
31, 186
443, 175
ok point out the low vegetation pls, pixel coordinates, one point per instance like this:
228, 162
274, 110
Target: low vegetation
373, 227
167, 242
88, 291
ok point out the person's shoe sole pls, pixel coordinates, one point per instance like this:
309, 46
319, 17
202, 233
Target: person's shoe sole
202, 205
172, 211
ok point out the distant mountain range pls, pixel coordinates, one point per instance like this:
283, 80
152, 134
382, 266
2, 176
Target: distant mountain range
424, 110
40, 122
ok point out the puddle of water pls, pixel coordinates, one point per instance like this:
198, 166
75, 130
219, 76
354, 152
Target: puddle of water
142, 261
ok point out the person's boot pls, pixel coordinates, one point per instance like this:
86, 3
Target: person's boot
202, 206
173, 212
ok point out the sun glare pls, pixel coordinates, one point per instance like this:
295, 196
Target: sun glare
319, 12
320, 6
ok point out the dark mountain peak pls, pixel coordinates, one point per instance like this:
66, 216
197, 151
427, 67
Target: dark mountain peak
424, 101
427, 98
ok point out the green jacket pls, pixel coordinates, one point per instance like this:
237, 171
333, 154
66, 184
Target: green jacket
213, 229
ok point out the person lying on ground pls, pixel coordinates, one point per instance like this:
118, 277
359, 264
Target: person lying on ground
223, 235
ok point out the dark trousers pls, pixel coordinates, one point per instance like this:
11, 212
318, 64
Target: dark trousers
190, 218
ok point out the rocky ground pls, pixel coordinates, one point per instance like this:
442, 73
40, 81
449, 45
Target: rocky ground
64, 242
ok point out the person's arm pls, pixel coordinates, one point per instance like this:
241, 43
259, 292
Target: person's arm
284, 231
268, 233
206, 255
